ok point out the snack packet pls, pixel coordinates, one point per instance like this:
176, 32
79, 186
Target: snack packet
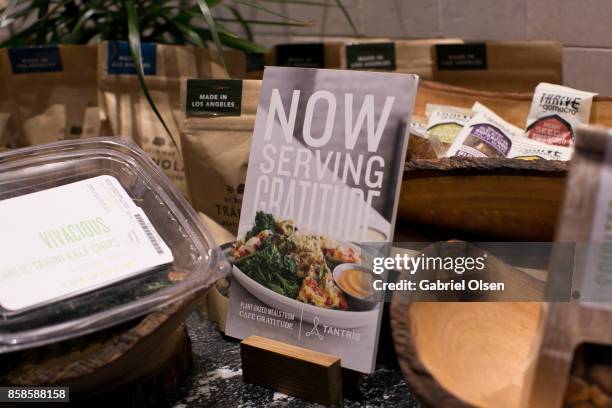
527, 149
445, 123
216, 141
418, 126
419, 145
485, 135
555, 111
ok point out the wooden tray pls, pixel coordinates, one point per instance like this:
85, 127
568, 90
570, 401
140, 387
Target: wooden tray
147, 357
494, 198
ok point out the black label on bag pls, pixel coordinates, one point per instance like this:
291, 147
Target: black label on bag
371, 56
461, 56
35, 59
214, 97
301, 55
255, 61
120, 58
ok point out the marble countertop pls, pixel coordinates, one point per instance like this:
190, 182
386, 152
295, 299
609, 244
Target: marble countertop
216, 379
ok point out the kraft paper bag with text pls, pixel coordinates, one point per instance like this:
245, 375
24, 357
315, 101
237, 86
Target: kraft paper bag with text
514, 66
216, 144
128, 113
372, 54
7, 126
51, 92
405, 56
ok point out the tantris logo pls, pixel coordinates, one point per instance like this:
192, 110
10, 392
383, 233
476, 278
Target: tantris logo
560, 103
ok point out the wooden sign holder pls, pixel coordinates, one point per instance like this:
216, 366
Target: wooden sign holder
295, 371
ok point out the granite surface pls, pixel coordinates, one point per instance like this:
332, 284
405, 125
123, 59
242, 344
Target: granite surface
216, 379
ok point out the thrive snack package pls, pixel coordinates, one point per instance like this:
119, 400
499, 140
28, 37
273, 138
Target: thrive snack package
51, 92
444, 124
485, 135
127, 110
555, 111
216, 138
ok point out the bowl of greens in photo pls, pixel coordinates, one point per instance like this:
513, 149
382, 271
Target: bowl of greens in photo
292, 270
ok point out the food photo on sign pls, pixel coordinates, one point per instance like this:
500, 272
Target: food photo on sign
286, 203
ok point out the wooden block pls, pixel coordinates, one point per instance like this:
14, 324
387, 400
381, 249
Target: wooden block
292, 370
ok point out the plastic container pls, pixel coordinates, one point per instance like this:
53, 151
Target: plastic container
197, 259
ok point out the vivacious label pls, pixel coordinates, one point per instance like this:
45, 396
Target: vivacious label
72, 239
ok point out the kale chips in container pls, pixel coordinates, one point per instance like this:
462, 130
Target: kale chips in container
93, 234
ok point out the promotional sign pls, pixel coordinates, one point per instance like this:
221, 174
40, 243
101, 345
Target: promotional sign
323, 181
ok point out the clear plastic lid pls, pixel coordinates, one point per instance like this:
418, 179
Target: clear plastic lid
198, 262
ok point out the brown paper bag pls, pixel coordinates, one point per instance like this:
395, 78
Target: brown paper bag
306, 54
126, 110
51, 92
7, 125
216, 152
517, 66
408, 56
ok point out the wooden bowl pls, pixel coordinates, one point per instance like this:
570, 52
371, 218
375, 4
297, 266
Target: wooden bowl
500, 198
96, 366
465, 354
457, 354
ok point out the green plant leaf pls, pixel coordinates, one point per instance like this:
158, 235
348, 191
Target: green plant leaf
242, 21
260, 22
38, 22
76, 31
303, 2
190, 33
7, 12
135, 51
257, 6
233, 41
210, 21
348, 17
